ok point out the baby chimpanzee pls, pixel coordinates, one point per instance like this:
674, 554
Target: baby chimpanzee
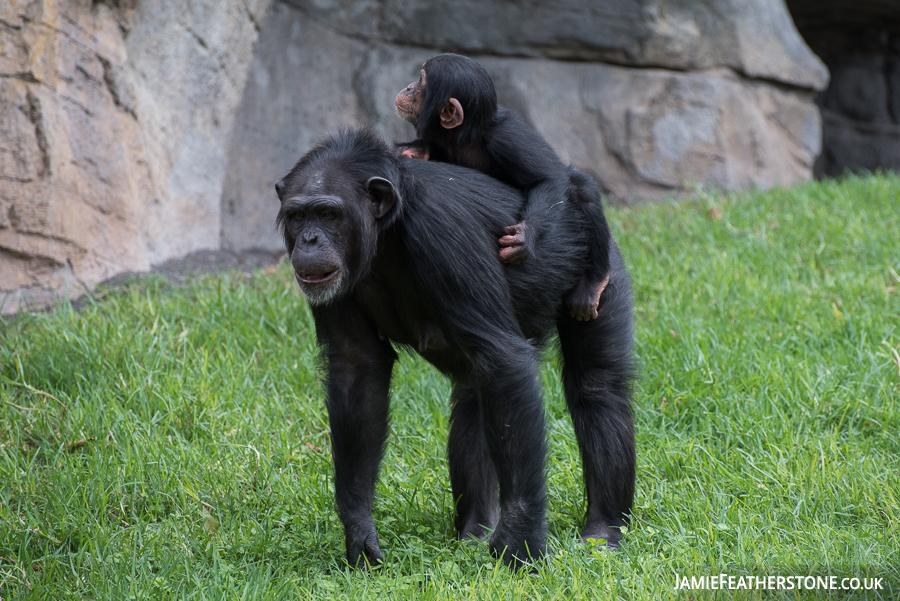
454, 109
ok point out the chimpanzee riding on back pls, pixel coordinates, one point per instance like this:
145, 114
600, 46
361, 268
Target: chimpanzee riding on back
393, 250
454, 109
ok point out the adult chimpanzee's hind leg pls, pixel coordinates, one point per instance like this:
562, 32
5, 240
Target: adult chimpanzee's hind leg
472, 475
512, 415
597, 375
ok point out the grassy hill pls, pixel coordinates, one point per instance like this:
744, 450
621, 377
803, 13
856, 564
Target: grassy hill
172, 442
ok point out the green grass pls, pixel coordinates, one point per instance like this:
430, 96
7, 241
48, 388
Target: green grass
172, 442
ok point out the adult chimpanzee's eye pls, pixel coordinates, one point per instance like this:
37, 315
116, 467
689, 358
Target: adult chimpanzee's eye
328, 215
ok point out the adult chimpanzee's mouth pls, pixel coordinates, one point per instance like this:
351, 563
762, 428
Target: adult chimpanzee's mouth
316, 278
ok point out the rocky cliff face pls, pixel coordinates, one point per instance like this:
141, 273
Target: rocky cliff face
134, 131
114, 123
859, 40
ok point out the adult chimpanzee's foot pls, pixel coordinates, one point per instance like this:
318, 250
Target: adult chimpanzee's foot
477, 524
520, 539
520, 554
601, 532
474, 532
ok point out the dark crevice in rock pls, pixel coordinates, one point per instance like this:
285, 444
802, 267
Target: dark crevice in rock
251, 17
199, 39
40, 132
36, 260
11, 27
182, 270
120, 97
27, 77
121, 4
79, 30
28, 232
13, 217
18, 180
859, 41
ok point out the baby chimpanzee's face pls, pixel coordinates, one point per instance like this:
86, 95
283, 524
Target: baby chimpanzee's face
411, 100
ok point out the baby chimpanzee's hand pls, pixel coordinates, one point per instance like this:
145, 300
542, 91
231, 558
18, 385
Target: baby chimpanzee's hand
416, 153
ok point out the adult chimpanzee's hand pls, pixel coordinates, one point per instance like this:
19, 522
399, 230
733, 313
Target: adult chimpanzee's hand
514, 249
363, 551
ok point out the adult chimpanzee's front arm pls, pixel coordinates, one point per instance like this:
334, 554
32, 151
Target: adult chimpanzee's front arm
359, 368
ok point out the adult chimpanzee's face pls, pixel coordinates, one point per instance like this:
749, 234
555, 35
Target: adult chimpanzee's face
411, 100
317, 227
312, 228
330, 226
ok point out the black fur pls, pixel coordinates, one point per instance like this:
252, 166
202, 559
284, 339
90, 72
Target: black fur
494, 140
421, 269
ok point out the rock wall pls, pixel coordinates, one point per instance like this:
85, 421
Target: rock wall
651, 98
114, 120
134, 131
859, 40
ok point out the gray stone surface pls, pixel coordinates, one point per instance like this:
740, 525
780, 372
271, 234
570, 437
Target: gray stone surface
754, 37
650, 132
190, 61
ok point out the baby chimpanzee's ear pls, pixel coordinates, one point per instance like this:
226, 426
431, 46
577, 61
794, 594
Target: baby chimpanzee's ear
452, 114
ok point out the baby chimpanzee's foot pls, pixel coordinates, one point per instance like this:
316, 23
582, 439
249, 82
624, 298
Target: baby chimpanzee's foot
585, 298
514, 245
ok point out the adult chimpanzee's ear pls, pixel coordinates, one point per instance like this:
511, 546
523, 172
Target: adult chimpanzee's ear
279, 189
452, 114
383, 195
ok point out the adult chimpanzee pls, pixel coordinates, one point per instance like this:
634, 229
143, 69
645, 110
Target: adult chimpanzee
389, 248
454, 109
